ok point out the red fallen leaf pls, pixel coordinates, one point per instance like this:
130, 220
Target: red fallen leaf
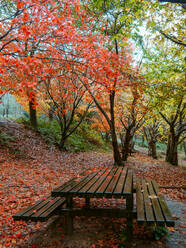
18, 235
182, 225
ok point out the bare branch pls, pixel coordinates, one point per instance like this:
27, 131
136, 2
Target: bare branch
173, 39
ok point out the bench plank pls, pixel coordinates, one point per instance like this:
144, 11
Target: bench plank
41, 210
147, 203
166, 212
25, 210
155, 204
139, 202
48, 210
151, 206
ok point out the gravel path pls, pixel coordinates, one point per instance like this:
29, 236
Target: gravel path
176, 239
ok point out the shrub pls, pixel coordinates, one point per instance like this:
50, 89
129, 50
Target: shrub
50, 131
159, 232
6, 138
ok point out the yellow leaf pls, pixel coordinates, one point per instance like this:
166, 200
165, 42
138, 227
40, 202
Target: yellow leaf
171, 229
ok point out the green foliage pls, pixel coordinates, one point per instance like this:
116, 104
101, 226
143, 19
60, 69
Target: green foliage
123, 238
50, 131
6, 138
159, 232
160, 146
18, 153
24, 120
83, 139
139, 142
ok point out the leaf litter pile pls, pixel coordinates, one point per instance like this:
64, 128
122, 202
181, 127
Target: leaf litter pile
30, 169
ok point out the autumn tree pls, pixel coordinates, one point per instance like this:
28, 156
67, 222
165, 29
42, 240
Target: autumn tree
132, 112
111, 13
152, 133
101, 125
59, 33
165, 69
177, 128
35, 35
66, 96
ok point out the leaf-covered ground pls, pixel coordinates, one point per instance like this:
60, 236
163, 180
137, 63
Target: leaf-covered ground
30, 169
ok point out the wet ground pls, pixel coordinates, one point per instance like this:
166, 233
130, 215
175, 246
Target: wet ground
177, 238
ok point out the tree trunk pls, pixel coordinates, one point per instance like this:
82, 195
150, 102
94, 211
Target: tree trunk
107, 137
33, 115
62, 144
116, 153
172, 153
142, 141
50, 114
184, 146
132, 144
152, 149
126, 146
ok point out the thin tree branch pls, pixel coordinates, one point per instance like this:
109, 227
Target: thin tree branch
173, 39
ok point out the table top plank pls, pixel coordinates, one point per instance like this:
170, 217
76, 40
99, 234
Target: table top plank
99, 182
83, 183
113, 183
93, 182
71, 181
77, 182
128, 188
120, 184
106, 182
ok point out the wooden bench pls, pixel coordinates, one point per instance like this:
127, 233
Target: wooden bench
151, 205
42, 210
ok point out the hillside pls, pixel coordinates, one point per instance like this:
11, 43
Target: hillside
30, 169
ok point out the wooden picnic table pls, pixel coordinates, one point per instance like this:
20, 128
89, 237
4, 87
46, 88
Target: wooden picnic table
112, 182
100, 182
